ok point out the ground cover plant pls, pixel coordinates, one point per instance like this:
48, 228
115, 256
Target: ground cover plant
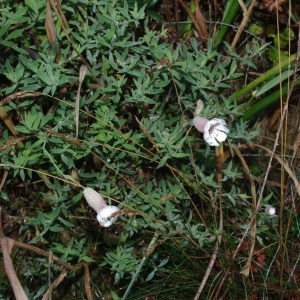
184, 121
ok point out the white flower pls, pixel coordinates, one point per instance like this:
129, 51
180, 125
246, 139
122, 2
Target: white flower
104, 211
214, 131
104, 216
270, 211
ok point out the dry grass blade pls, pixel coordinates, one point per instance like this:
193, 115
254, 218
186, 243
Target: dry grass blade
201, 21
247, 267
246, 17
4, 116
64, 137
82, 72
51, 32
55, 284
20, 94
145, 131
285, 166
8, 122
3, 179
60, 15
87, 282
197, 19
219, 168
65, 25
14, 142
7, 245
49, 24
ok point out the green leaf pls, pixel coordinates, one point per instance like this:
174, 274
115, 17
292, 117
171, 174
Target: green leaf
162, 162
4, 29
86, 259
15, 34
30, 64
272, 83
65, 222
180, 155
130, 147
35, 5
114, 295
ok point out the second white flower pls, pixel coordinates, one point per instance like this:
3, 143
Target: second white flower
214, 131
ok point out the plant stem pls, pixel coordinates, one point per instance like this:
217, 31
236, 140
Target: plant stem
139, 268
265, 102
264, 77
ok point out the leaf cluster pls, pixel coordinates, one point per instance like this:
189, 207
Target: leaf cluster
136, 144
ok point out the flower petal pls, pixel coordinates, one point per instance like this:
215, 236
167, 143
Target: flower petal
104, 215
200, 123
215, 131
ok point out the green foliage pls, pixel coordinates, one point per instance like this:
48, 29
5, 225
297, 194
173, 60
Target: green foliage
121, 261
136, 144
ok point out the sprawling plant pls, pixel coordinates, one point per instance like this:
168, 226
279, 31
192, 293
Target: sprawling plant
95, 98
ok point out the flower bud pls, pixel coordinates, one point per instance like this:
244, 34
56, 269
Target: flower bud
270, 211
104, 211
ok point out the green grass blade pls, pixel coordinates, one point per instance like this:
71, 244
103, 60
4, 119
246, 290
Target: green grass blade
265, 102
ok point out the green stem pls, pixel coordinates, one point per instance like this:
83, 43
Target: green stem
262, 104
264, 77
188, 26
139, 268
231, 9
